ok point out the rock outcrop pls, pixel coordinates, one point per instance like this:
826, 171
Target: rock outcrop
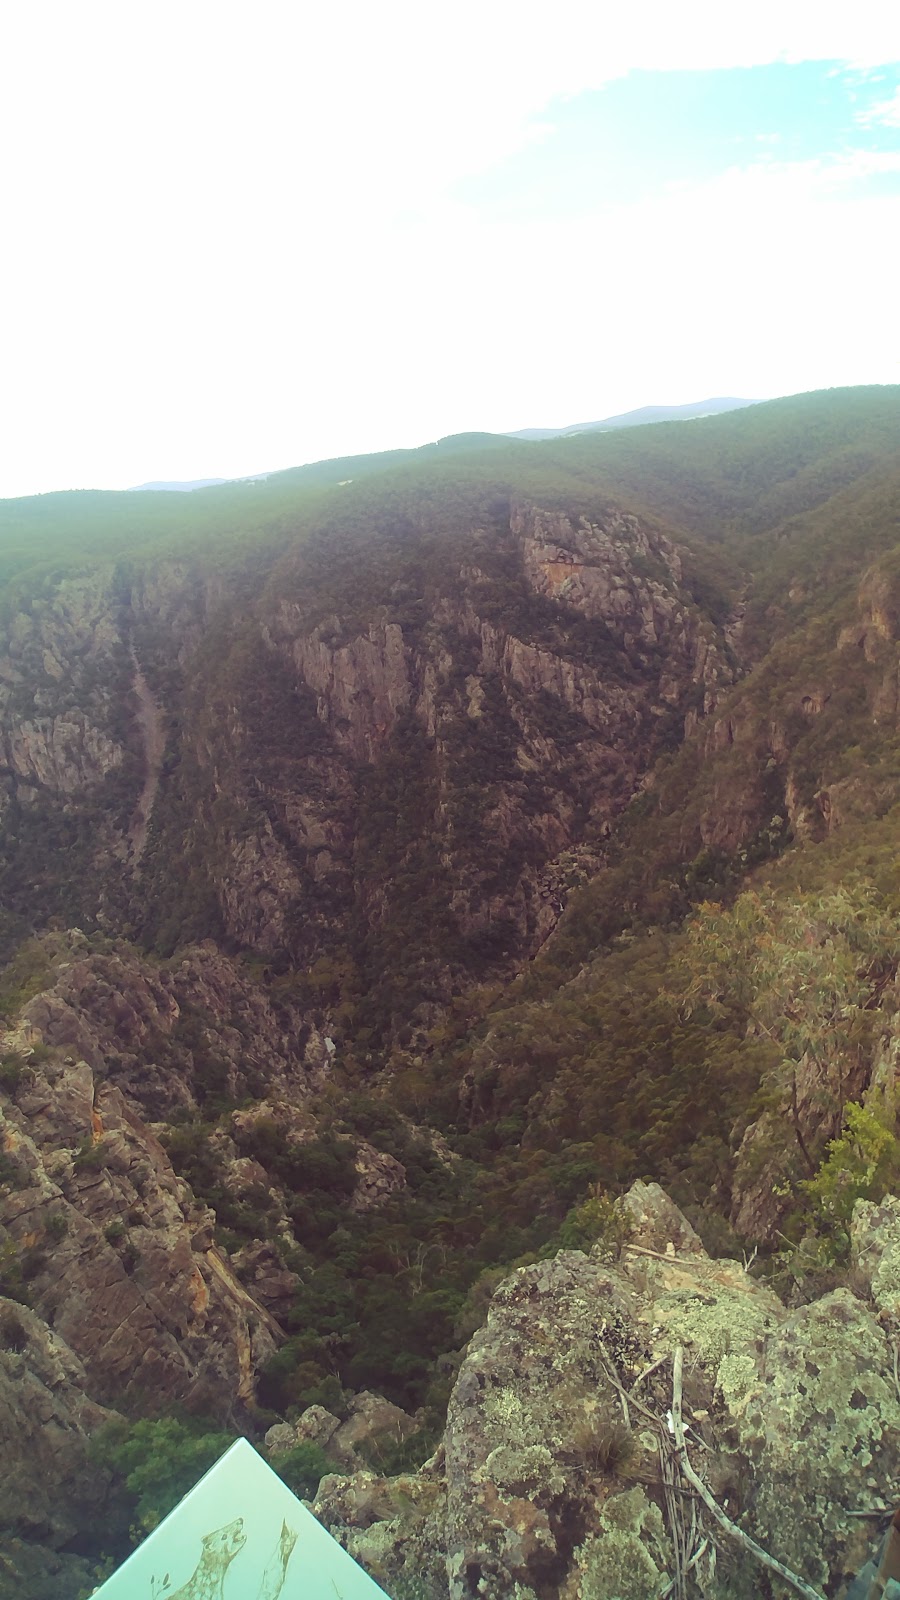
551, 1480
118, 1252
118, 1257
46, 1421
372, 1427
167, 1035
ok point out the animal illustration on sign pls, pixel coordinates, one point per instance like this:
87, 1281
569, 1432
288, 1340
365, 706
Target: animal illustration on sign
219, 1550
276, 1566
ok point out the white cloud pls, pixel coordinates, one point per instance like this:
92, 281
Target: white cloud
229, 240
885, 112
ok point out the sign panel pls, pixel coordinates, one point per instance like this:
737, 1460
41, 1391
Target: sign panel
240, 1534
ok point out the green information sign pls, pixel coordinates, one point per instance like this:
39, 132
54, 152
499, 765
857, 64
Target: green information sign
240, 1535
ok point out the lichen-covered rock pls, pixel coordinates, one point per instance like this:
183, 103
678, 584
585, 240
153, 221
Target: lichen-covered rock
394, 1528
628, 1555
531, 1415
793, 1421
712, 1308
875, 1244
656, 1223
378, 1176
821, 1430
372, 1427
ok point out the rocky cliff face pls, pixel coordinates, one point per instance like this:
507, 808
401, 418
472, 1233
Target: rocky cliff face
82, 734
465, 748
116, 1251
557, 1478
779, 741
466, 742
117, 1256
51, 1489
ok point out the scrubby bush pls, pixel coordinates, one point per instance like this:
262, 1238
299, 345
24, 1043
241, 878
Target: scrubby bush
302, 1468
596, 1224
604, 1443
158, 1461
13, 1332
863, 1163
12, 1071
12, 1172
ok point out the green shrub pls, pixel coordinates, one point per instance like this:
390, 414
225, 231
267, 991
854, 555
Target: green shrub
159, 1460
596, 1223
104, 1569
862, 1164
13, 1333
12, 1172
302, 1468
90, 1157
12, 1071
129, 1255
12, 1278
27, 974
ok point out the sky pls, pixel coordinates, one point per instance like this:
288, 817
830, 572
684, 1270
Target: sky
236, 237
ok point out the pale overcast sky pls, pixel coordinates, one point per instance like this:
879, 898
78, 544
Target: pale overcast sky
237, 237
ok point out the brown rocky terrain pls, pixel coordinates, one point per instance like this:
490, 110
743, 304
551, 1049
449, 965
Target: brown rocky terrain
557, 1476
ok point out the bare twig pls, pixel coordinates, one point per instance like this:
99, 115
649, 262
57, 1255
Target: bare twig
681, 1261
654, 1366
645, 1411
677, 1369
699, 1553
712, 1505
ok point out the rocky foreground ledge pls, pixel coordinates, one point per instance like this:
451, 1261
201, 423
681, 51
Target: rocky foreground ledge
558, 1476
557, 1480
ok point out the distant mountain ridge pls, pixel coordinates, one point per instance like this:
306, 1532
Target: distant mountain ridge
183, 487
188, 485
638, 418
625, 419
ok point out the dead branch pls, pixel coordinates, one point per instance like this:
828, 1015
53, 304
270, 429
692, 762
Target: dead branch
699, 1553
712, 1505
682, 1261
653, 1367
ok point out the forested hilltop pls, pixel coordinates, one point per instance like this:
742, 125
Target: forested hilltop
400, 858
